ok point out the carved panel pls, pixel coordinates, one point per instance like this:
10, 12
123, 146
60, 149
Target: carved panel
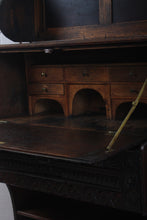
114, 182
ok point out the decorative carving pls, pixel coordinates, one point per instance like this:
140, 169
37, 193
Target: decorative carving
114, 182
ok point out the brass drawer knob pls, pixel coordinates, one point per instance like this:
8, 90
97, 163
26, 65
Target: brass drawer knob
132, 74
85, 74
135, 91
43, 74
44, 89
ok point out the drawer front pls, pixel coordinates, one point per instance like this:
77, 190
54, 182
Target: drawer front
128, 73
46, 74
46, 89
129, 90
86, 74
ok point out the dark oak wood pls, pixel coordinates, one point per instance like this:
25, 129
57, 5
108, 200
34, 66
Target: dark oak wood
128, 73
86, 73
15, 17
12, 86
59, 208
127, 90
46, 74
62, 100
111, 82
30, 143
52, 89
105, 12
48, 22
119, 174
54, 138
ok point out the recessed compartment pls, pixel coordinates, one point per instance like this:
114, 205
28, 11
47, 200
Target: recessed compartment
140, 112
88, 102
89, 99
41, 206
48, 106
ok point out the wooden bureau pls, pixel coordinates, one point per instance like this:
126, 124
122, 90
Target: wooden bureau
66, 86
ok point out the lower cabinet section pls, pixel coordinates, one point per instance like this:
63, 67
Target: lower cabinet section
39, 206
48, 189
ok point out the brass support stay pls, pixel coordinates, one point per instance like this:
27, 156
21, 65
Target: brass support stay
134, 105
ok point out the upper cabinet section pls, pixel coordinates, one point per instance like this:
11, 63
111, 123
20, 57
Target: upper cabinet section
98, 21
68, 19
101, 20
70, 13
129, 10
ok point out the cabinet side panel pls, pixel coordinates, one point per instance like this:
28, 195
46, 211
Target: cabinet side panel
12, 85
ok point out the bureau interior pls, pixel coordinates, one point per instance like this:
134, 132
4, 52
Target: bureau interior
73, 83
78, 83
70, 97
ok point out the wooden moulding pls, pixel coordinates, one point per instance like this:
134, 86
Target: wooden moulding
120, 35
100, 33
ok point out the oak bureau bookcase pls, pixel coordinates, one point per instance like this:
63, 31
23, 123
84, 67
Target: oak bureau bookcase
66, 86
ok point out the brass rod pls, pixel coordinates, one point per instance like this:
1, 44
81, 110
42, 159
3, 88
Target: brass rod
134, 105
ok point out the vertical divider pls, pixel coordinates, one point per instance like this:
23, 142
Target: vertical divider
105, 12
39, 16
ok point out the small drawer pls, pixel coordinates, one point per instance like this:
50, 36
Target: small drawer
128, 73
46, 74
46, 89
86, 73
127, 91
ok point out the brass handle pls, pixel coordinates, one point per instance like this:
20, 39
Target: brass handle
43, 74
134, 91
44, 89
85, 74
132, 74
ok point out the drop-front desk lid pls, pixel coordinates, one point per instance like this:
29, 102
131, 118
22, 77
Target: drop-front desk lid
68, 139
